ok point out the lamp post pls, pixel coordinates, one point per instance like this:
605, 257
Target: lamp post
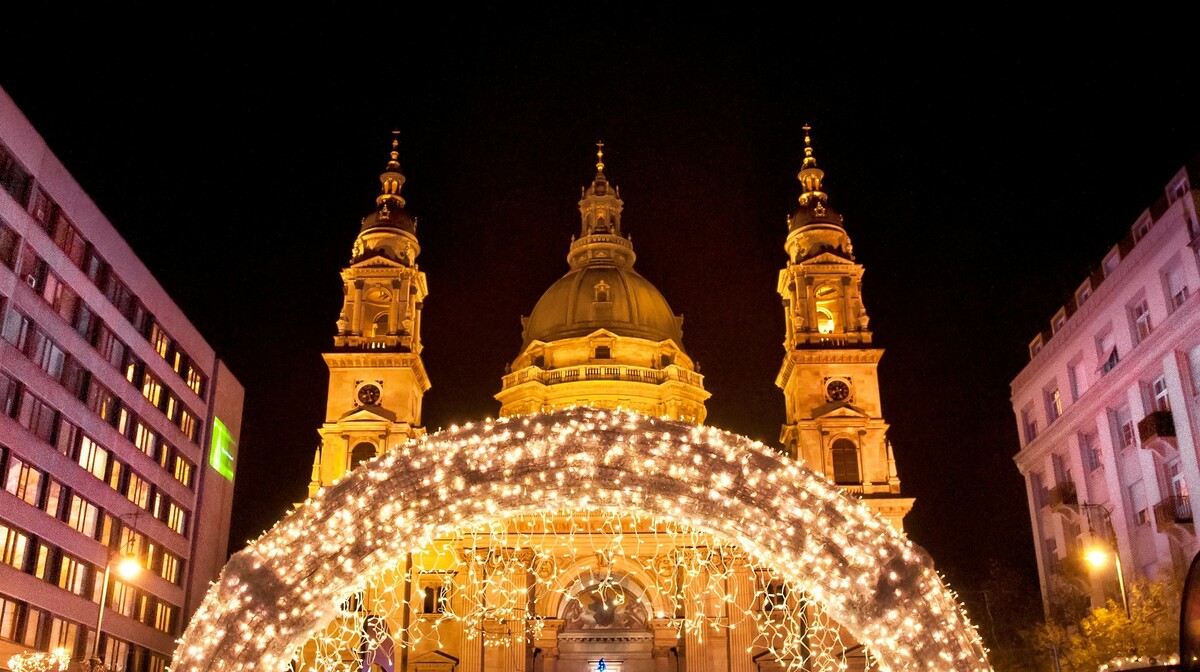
127, 568
1097, 556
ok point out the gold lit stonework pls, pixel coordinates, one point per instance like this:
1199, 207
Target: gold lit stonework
602, 335
828, 339
378, 339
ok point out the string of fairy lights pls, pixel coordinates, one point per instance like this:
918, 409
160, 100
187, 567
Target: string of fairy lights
504, 514
479, 585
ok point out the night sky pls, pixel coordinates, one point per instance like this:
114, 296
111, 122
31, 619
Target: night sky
983, 168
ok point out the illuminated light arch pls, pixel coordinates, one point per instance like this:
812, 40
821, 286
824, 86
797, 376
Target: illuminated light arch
287, 585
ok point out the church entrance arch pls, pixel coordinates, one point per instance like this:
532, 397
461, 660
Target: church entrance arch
290, 583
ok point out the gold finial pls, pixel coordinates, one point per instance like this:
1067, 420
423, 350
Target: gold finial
600, 157
394, 162
810, 175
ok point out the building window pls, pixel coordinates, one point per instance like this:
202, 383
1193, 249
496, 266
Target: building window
1077, 375
602, 352
1159, 398
183, 470
92, 457
10, 242
164, 617
13, 547
72, 574
435, 598
83, 516
1029, 424
1082, 294
775, 597
1137, 503
144, 438
1176, 286
1126, 428
1140, 314
1106, 351
1089, 452
845, 462
176, 518
138, 491
170, 568
1054, 404
23, 481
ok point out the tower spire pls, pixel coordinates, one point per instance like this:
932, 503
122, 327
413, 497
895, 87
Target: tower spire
810, 175
599, 157
391, 178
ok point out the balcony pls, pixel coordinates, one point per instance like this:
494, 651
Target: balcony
1062, 499
573, 374
1157, 431
1172, 512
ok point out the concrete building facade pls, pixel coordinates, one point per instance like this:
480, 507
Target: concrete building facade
1108, 413
118, 430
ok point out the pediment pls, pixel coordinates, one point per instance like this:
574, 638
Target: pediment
368, 414
838, 409
435, 657
377, 260
828, 258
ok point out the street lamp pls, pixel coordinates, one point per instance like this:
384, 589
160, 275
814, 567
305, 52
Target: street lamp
1097, 556
128, 569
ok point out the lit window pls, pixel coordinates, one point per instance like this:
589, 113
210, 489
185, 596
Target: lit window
164, 617
176, 518
183, 471
72, 575
138, 490
170, 568
1140, 312
152, 389
23, 481
83, 516
160, 341
13, 545
825, 323
92, 457
145, 439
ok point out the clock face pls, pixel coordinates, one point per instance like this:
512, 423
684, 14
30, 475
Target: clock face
369, 394
837, 390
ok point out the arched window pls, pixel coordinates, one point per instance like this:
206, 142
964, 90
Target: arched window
845, 463
361, 453
380, 326
824, 321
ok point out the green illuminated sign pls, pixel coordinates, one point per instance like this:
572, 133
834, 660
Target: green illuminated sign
220, 455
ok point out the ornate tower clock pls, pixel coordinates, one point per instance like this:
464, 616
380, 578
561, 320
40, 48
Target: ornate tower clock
376, 377
829, 376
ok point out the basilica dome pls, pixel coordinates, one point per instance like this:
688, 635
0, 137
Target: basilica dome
595, 297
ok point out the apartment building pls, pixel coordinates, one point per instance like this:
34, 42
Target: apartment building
118, 430
1108, 413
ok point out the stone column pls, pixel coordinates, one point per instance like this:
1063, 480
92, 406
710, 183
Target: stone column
741, 585
471, 655
695, 644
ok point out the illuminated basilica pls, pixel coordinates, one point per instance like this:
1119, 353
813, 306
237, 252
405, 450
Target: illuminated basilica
588, 591
595, 525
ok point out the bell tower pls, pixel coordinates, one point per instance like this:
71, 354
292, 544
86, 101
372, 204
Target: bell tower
829, 375
376, 377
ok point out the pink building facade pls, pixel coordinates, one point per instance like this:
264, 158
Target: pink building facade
118, 428
1108, 412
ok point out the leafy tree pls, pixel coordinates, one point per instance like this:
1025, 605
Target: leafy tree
1150, 629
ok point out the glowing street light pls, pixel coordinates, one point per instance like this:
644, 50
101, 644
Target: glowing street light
128, 568
1098, 558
